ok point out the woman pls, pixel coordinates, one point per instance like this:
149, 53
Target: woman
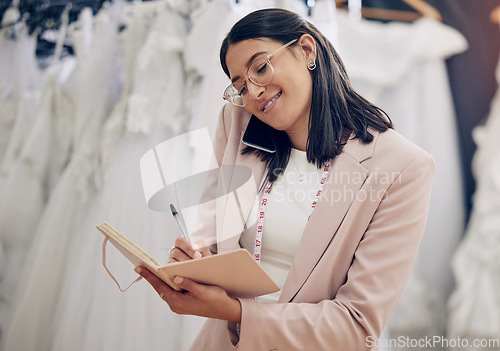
343, 266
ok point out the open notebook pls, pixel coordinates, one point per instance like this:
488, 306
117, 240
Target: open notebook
236, 271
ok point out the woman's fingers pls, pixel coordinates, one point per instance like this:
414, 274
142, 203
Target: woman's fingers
178, 255
195, 299
186, 250
204, 250
186, 246
189, 285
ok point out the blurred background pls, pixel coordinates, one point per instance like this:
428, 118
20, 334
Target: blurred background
88, 86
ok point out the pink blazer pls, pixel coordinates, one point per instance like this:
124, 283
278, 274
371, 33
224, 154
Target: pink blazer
355, 254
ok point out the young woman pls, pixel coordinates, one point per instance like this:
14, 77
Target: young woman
341, 196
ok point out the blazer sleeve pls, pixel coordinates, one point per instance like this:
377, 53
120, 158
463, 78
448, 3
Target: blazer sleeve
375, 280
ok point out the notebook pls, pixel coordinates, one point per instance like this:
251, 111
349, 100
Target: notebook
236, 271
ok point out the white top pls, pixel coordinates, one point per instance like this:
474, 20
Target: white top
288, 208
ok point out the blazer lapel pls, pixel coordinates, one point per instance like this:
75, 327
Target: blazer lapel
346, 179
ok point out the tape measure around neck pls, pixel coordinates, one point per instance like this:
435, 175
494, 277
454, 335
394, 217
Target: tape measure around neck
259, 228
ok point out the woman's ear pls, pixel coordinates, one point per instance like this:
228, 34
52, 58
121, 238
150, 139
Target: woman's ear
308, 45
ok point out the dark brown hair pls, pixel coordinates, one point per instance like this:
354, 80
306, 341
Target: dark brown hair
336, 109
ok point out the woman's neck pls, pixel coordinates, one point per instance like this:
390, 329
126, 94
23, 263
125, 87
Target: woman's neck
298, 136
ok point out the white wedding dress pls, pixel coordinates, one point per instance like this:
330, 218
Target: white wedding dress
209, 81
20, 85
92, 313
31, 327
20, 81
400, 67
24, 94
474, 307
201, 55
11, 41
37, 153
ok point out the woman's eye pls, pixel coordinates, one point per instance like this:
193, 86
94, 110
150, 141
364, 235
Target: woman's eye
243, 91
262, 68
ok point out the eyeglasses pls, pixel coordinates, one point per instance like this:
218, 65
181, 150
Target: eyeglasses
260, 73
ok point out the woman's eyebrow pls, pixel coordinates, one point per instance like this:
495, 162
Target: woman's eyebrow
249, 62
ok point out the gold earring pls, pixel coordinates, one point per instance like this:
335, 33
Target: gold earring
311, 65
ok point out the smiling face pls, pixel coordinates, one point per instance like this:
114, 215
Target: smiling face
284, 103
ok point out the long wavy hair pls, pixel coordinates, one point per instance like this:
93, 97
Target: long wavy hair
336, 109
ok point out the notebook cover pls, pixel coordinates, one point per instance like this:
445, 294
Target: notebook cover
236, 271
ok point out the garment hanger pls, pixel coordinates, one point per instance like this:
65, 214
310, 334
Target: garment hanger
422, 8
310, 5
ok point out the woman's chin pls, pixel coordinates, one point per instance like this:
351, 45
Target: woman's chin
277, 126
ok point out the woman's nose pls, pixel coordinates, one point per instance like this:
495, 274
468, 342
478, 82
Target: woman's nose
255, 90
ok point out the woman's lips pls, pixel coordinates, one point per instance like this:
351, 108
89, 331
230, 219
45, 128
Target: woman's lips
268, 105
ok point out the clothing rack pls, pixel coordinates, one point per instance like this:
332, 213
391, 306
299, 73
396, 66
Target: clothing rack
41, 15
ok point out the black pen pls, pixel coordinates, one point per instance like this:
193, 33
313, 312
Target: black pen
176, 215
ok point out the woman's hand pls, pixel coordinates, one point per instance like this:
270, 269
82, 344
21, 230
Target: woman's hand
195, 299
185, 250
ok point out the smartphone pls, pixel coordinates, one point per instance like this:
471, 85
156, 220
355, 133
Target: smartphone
258, 135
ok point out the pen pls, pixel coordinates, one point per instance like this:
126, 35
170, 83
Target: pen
176, 215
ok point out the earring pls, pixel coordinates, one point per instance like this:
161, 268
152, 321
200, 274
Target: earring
311, 65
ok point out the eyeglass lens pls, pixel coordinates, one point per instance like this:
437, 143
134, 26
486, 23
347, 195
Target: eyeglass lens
259, 73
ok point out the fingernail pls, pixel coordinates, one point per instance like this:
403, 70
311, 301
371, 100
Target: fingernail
178, 280
138, 270
197, 254
195, 246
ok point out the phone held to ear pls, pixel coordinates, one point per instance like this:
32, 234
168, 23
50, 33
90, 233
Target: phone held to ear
258, 135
